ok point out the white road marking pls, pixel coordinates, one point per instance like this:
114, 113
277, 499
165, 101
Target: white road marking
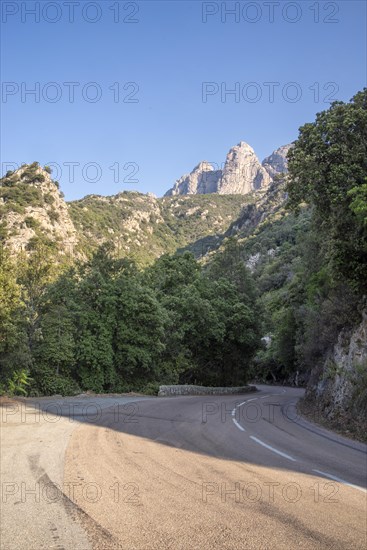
272, 449
254, 399
238, 425
233, 412
335, 478
264, 397
243, 402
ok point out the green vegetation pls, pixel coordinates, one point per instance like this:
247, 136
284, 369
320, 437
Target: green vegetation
14, 350
18, 383
328, 168
48, 198
103, 325
311, 263
18, 197
31, 222
143, 227
358, 205
53, 215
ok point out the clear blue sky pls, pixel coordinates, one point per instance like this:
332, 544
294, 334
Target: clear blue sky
169, 52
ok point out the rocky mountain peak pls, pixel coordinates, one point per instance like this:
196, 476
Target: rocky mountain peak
276, 163
202, 180
243, 146
242, 173
203, 166
32, 174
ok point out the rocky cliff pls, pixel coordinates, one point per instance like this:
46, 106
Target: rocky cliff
242, 173
202, 180
33, 209
338, 388
276, 163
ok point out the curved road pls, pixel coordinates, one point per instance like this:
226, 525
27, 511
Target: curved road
198, 473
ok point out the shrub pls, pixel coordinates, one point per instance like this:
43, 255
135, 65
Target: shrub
17, 208
37, 178
17, 385
32, 177
49, 199
31, 222
21, 195
47, 382
3, 230
151, 389
9, 180
54, 216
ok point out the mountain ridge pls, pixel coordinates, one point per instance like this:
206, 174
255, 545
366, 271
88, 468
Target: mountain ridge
33, 210
198, 217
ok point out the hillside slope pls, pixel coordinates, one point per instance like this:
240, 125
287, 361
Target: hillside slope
144, 227
33, 210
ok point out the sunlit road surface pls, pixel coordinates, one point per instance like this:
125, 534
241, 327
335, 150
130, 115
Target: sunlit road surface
187, 472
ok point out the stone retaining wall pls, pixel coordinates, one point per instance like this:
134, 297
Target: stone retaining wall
186, 389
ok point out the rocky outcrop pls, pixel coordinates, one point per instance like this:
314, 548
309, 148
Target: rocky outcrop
32, 207
242, 173
339, 387
202, 180
277, 162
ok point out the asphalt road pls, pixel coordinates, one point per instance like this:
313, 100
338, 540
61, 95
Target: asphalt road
182, 473
36, 507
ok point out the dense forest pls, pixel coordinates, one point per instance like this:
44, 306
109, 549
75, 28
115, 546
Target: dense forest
103, 325
106, 324
316, 283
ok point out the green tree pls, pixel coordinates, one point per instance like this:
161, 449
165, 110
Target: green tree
35, 271
138, 340
95, 325
169, 274
212, 329
328, 167
14, 350
358, 205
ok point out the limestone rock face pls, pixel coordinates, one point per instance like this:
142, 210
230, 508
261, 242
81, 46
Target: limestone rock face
276, 163
242, 172
203, 179
45, 215
339, 385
